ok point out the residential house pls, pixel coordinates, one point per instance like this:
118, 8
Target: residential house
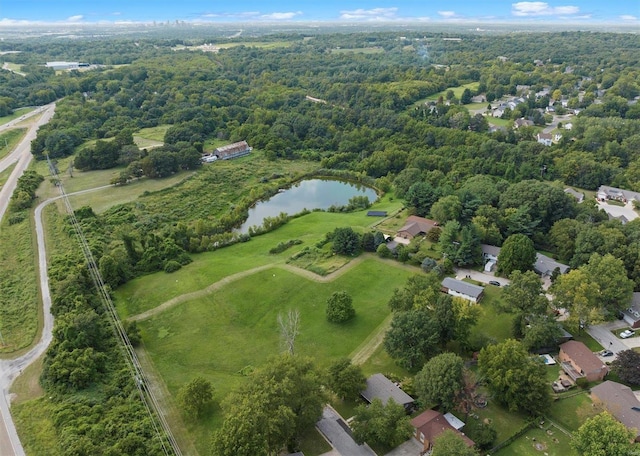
234, 150
621, 402
490, 254
544, 138
545, 266
579, 362
611, 193
631, 315
498, 112
568, 126
380, 387
522, 122
579, 196
415, 226
430, 424
461, 289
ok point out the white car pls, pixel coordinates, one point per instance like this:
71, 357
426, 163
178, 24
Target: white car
628, 333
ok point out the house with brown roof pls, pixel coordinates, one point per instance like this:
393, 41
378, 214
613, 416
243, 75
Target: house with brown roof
621, 402
579, 362
429, 425
415, 226
234, 150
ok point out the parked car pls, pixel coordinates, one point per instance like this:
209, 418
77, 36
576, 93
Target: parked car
628, 333
494, 283
606, 353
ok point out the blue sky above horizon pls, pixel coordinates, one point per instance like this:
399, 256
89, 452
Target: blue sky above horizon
123, 11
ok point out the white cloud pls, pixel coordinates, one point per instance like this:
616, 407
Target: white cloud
447, 14
281, 16
374, 14
628, 17
523, 9
76, 18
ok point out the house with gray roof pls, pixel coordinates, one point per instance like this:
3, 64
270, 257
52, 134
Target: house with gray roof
579, 196
612, 193
631, 314
380, 387
545, 265
461, 289
621, 402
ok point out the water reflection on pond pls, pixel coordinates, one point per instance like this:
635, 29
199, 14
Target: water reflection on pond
308, 194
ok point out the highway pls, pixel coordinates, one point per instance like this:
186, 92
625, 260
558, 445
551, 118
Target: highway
22, 155
9, 369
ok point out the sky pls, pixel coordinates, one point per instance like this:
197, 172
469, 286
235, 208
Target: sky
18, 12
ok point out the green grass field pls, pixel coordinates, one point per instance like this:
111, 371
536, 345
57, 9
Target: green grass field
19, 296
16, 113
4, 175
149, 291
235, 328
570, 412
10, 139
549, 441
364, 50
150, 137
457, 91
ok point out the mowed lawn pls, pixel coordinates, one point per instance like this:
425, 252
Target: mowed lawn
149, 291
228, 333
236, 327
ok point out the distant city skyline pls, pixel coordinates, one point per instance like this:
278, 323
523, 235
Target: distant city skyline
33, 12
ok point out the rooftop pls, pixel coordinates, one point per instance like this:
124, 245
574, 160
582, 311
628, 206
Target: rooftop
619, 400
465, 288
582, 356
380, 387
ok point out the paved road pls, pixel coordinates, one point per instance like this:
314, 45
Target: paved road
616, 211
10, 369
21, 154
338, 437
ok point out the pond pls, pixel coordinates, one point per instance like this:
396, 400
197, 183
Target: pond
307, 194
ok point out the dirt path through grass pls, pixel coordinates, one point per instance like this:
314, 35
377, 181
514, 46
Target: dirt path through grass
233, 277
364, 351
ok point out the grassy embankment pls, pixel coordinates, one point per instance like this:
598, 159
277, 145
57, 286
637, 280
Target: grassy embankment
15, 114
457, 92
10, 139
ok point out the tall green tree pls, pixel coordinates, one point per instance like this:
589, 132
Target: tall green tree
340, 307
517, 254
603, 435
514, 378
345, 241
377, 424
420, 197
627, 366
346, 379
524, 294
195, 396
282, 400
449, 443
412, 337
440, 381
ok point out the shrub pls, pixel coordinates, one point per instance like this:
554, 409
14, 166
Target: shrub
340, 307
172, 266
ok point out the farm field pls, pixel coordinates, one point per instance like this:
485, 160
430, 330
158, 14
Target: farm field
150, 137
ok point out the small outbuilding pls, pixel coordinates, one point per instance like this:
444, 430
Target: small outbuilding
461, 289
380, 387
235, 150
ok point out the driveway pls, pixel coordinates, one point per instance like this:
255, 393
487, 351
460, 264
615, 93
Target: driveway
616, 211
480, 276
409, 448
602, 333
334, 429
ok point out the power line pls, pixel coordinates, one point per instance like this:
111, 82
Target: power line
140, 380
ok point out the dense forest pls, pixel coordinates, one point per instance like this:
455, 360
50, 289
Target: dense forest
367, 120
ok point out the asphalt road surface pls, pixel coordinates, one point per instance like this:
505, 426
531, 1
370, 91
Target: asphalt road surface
22, 155
9, 369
